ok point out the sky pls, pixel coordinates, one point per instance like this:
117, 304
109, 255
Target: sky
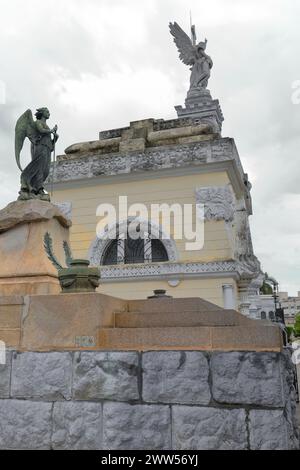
99, 64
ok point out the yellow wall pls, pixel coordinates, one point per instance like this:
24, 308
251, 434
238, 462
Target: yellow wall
208, 289
181, 189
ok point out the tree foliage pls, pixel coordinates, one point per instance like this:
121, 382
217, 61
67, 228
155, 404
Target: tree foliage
297, 325
266, 289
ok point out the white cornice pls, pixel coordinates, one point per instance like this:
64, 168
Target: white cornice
168, 271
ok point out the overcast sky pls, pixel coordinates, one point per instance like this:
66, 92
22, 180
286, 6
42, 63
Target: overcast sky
98, 64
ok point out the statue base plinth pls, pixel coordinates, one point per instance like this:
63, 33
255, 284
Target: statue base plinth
24, 265
27, 196
29, 285
200, 106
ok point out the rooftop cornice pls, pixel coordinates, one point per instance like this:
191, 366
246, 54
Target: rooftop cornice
213, 155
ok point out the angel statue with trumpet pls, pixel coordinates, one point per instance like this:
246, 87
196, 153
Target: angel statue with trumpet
194, 55
42, 145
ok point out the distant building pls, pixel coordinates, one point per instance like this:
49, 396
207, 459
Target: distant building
262, 306
291, 306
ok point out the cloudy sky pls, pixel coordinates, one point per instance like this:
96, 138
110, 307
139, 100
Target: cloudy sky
98, 64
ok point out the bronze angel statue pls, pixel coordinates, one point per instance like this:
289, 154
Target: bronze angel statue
42, 145
193, 55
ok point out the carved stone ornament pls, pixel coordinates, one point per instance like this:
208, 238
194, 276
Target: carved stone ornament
218, 202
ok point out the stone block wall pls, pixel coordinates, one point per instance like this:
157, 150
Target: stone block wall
153, 400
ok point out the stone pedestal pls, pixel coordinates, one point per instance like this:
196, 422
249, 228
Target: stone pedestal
200, 106
131, 374
24, 265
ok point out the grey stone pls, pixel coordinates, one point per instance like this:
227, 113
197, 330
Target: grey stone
196, 428
269, 430
106, 375
155, 159
289, 373
5, 371
25, 425
45, 376
218, 201
176, 377
247, 377
77, 426
127, 427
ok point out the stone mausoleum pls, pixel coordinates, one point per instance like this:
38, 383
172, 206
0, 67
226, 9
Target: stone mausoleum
185, 161
156, 161
88, 367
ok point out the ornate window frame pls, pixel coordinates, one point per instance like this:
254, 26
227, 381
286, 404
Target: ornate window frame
100, 244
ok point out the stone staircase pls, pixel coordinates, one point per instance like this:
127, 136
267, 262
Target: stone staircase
189, 324
93, 321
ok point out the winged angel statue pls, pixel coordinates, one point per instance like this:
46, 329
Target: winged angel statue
195, 56
42, 145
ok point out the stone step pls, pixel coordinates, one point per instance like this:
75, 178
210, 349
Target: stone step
10, 336
171, 305
183, 318
225, 338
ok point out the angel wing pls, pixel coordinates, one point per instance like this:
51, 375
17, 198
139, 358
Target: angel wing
25, 127
183, 43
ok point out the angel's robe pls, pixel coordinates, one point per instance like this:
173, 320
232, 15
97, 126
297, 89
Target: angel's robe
201, 72
36, 173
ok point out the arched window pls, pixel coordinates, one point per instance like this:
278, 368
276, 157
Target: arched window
263, 315
271, 315
147, 244
134, 251
128, 250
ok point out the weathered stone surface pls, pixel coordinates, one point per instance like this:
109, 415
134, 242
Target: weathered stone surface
218, 201
25, 425
128, 427
45, 376
289, 373
77, 426
24, 260
208, 429
176, 377
247, 377
155, 158
55, 321
269, 430
5, 370
65, 208
107, 375
19, 212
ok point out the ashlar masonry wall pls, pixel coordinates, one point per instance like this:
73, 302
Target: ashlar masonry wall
152, 400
